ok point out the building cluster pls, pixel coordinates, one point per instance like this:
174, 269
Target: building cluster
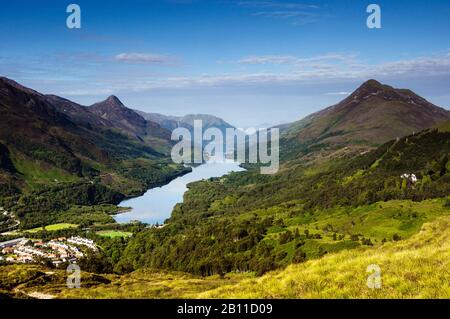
57, 251
80, 241
410, 177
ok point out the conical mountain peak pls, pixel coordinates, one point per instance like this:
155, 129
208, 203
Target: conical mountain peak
114, 100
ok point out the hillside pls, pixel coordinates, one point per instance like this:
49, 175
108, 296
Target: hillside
301, 213
49, 145
414, 268
76, 112
370, 116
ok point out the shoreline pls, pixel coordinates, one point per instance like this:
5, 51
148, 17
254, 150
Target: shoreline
155, 185
122, 211
143, 215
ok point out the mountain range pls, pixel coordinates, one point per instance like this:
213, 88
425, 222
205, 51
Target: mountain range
187, 121
84, 141
46, 140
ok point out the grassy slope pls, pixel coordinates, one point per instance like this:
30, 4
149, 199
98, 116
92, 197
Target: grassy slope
37, 173
377, 222
23, 280
151, 284
415, 268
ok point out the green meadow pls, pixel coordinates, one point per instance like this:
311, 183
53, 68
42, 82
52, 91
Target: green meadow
53, 227
114, 233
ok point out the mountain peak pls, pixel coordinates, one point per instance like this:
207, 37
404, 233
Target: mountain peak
372, 89
372, 86
110, 104
113, 110
372, 82
374, 114
112, 99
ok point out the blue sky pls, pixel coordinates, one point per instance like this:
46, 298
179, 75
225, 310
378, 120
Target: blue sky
250, 62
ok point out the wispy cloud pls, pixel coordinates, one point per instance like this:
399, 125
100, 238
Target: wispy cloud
292, 60
338, 93
347, 69
268, 59
424, 65
272, 71
84, 92
297, 17
278, 5
145, 58
296, 13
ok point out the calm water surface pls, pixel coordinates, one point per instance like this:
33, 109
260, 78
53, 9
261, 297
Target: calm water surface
157, 204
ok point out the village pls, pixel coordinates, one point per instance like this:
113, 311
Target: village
57, 251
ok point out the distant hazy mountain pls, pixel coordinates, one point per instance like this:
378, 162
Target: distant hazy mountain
187, 121
372, 115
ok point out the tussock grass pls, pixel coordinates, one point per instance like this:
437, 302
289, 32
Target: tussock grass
146, 283
415, 268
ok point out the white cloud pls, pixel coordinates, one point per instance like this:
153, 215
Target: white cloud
266, 71
287, 59
423, 66
338, 93
144, 58
297, 13
343, 68
83, 92
266, 59
283, 14
272, 4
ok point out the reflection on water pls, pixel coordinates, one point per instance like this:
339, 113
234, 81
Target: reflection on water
157, 204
